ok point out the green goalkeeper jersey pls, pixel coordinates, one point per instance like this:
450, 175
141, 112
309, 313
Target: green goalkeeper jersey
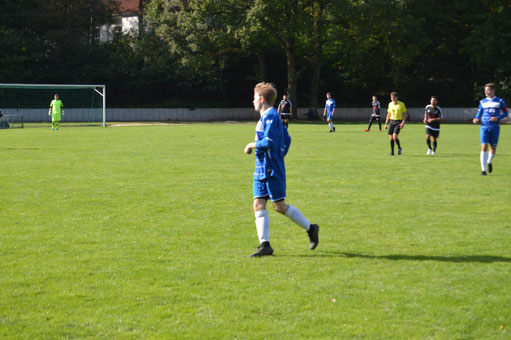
56, 106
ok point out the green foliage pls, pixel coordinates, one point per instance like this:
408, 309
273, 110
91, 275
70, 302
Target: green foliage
144, 232
209, 53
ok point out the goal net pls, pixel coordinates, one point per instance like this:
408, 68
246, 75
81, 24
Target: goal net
31, 102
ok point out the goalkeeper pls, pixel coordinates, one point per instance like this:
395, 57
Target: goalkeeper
56, 108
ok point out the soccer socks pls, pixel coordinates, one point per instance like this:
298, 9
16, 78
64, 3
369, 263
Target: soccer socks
398, 144
392, 145
296, 216
435, 145
263, 225
428, 141
490, 157
484, 160
331, 126
371, 123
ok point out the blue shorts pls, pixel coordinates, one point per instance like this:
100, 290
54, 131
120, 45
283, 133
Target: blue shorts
329, 116
272, 187
490, 135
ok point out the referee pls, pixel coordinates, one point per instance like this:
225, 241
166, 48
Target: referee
396, 114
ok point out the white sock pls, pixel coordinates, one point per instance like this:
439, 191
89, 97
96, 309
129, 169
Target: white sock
296, 216
263, 225
484, 159
490, 157
330, 126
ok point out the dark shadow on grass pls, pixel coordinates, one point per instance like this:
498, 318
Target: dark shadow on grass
400, 257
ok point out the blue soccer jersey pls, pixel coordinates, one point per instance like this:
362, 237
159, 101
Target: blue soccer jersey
330, 106
272, 144
491, 107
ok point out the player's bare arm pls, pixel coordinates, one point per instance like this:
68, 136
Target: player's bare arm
405, 116
425, 118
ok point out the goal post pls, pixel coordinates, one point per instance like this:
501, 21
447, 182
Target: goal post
31, 102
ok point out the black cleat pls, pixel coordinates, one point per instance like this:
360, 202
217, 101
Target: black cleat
391, 154
313, 236
399, 151
334, 128
483, 173
490, 168
263, 250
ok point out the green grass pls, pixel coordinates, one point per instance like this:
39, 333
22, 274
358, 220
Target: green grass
144, 232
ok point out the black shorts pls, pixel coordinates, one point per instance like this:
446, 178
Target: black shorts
394, 127
432, 133
285, 116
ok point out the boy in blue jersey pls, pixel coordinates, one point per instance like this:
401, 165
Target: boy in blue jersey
271, 145
329, 111
489, 113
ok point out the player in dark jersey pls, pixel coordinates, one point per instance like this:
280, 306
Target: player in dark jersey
432, 118
376, 114
284, 109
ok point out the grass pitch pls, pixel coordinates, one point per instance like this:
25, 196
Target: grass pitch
144, 232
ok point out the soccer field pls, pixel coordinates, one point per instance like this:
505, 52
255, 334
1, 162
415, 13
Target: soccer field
145, 232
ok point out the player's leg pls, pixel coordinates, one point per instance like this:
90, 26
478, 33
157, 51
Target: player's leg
397, 129
494, 139
57, 122
396, 139
329, 121
435, 143
428, 142
262, 220
370, 123
379, 122
485, 140
391, 134
277, 189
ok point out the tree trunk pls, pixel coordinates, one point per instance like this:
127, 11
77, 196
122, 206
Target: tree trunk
317, 56
292, 86
261, 75
141, 4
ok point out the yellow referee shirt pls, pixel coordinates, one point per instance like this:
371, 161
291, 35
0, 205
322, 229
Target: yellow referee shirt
396, 111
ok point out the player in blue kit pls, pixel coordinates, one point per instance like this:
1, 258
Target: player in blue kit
329, 111
271, 144
490, 115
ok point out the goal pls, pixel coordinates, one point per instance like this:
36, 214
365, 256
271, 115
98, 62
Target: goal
31, 102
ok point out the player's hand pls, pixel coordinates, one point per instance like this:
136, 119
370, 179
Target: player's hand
424, 121
475, 121
248, 148
494, 119
386, 126
402, 125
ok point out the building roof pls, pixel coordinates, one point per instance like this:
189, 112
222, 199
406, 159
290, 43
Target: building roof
128, 6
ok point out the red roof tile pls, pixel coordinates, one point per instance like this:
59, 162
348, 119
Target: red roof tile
128, 6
